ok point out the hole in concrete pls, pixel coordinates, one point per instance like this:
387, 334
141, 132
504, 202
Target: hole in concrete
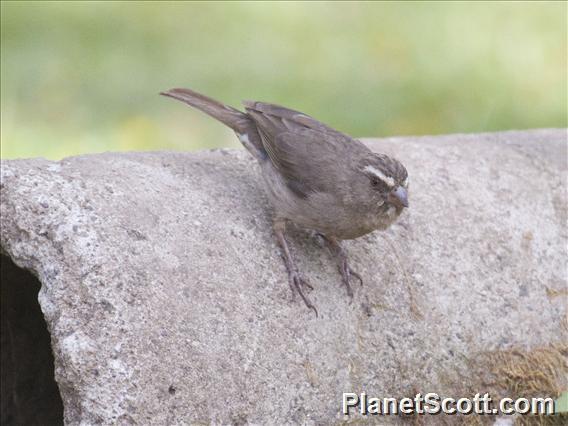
29, 393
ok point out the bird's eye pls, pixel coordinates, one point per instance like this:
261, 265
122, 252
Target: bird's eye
378, 184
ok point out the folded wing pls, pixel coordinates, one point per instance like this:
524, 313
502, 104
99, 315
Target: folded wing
303, 150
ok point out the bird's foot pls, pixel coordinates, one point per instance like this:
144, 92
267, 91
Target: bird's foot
294, 278
296, 283
346, 274
342, 263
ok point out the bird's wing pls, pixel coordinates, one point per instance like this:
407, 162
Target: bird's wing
290, 117
309, 155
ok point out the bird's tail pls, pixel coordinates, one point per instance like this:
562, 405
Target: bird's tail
239, 121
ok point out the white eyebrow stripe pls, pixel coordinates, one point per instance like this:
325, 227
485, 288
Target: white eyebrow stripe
386, 179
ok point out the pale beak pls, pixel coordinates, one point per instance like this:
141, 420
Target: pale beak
399, 197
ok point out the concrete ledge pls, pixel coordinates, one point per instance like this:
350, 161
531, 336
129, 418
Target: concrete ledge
167, 301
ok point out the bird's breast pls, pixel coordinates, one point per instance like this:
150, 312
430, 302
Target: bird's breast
324, 212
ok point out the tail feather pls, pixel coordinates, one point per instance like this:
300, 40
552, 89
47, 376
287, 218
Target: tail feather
237, 120
225, 114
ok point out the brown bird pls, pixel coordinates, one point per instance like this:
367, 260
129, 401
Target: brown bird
315, 176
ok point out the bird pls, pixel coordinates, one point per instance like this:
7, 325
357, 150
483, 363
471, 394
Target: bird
314, 176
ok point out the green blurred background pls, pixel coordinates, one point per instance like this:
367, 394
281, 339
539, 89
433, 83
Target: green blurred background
84, 77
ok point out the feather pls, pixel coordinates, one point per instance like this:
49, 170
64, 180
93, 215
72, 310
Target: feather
303, 150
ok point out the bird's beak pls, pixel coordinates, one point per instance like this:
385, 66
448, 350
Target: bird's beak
399, 197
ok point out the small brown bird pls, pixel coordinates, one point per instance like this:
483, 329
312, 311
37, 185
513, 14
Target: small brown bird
315, 176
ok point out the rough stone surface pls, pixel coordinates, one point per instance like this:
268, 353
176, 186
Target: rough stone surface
167, 300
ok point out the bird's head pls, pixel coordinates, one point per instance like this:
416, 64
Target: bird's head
388, 180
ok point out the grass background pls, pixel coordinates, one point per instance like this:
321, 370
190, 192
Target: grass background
84, 77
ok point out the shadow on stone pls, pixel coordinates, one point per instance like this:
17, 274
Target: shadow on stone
30, 395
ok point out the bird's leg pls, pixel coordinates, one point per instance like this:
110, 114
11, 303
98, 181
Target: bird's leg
342, 263
294, 278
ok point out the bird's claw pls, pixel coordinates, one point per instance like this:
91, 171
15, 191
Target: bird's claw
296, 284
346, 273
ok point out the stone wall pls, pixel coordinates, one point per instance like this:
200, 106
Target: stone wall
167, 301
